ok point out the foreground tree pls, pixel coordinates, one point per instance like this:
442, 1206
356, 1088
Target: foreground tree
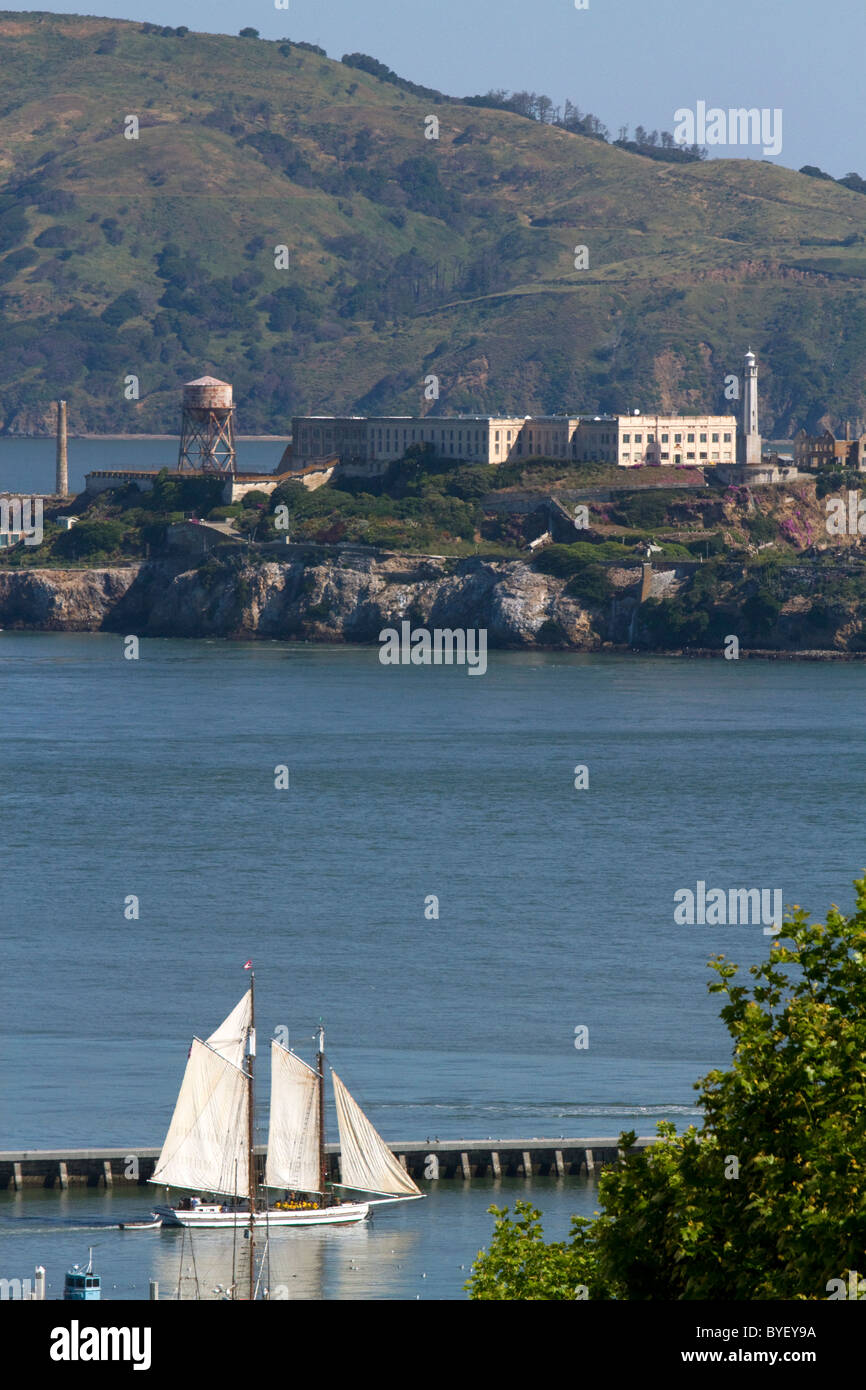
520, 1265
766, 1200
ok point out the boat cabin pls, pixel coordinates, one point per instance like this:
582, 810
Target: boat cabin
82, 1285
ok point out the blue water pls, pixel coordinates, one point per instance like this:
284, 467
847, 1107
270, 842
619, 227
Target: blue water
156, 778
421, 1250
28, 465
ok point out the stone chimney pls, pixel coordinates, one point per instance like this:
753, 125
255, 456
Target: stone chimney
62, 482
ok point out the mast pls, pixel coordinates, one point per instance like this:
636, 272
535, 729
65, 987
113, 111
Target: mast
320, 1067
251, 1053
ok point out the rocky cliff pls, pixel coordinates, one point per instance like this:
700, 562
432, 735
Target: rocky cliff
55, 600
332, 596
347, 598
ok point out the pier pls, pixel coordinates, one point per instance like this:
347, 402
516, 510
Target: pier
437, 1160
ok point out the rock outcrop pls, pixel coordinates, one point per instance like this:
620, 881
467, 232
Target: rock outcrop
348, 598
61, 600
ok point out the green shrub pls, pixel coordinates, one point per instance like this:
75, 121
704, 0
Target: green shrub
190, 494
126, 306
761, 612
673, 550
89, 538
647, 510
472, 483
669, 623
558, 560
563, 561
590, 584
710, 545
837, 480
762, 528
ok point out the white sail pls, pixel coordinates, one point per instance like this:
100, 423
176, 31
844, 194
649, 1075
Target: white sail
366, 1162
207, 1141
293, 1133
229, 1040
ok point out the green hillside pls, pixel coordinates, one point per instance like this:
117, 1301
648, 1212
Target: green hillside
407, 257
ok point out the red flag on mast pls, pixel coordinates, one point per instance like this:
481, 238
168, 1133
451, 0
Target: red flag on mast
249, 965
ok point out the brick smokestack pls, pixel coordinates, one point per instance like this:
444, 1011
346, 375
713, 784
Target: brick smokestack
62, 483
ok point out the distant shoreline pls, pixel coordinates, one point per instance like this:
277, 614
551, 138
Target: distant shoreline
829, 657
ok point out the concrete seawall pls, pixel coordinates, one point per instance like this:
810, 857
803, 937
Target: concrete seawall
462, 1159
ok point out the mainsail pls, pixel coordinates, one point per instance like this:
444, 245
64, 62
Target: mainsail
206, 1145
366, 1162
293, 1134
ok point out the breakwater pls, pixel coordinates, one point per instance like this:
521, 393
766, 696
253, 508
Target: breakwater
431, 1161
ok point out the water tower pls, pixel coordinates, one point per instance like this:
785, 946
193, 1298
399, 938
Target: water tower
207, 435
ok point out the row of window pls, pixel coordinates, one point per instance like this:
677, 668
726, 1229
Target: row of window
479, 436
423, 435
384, 435
690, 454
664, 454
678, 439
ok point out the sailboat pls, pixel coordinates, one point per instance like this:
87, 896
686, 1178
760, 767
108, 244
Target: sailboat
209, 1145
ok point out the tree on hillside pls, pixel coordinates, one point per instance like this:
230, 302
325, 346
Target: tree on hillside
127, 305
854, 182
761, 612
765, 1201
89, 538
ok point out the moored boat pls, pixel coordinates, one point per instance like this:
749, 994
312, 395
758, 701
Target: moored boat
81, 1285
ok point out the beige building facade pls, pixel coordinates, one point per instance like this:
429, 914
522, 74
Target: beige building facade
365, 446
631, 440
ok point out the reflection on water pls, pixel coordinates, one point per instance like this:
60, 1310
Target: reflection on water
423, 1250
316, 1263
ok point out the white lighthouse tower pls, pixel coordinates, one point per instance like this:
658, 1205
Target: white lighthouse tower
751, 444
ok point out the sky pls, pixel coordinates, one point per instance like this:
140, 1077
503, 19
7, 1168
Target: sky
630, 62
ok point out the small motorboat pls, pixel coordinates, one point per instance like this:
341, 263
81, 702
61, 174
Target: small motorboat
81, 1284
152, 1225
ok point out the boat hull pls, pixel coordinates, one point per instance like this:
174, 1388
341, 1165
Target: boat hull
213, 1219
